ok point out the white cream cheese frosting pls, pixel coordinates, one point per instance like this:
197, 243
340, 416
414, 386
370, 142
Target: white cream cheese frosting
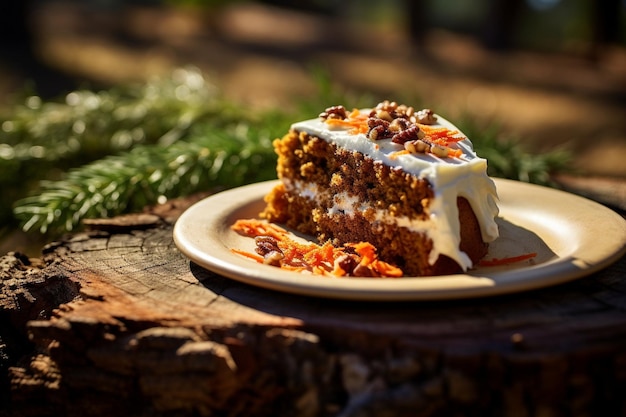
450, 177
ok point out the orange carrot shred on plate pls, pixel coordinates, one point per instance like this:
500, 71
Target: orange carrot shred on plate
507, 261
311, 257
387, 270
366, 250
247, 254
254, 228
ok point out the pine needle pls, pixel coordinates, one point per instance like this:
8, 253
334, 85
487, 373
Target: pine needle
127, 182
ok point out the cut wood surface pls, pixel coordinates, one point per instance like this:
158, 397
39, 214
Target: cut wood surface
117, 321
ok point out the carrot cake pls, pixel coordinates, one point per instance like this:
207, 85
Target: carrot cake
407, 182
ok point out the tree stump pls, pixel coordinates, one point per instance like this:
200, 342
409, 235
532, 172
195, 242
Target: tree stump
115, 321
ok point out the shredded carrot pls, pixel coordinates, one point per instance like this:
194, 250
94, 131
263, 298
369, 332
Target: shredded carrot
356, 114
254, 227
387, 270
366, 250
457, 153
311, 257
396, 154
437, 132
250, 255
356, 121
507, 261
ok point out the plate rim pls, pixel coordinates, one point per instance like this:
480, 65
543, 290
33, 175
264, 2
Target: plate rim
557, 271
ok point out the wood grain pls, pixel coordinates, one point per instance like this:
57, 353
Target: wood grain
117, 321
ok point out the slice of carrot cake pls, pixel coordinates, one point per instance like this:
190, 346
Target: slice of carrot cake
408, 182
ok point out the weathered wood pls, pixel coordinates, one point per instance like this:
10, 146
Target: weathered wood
117, 321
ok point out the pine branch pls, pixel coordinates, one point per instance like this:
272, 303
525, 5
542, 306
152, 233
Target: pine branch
44, 139
147, 174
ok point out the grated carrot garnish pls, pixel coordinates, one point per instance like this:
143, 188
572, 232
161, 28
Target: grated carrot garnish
506, 261
356, 121
311, 257
437, 131
396, 154
366, 250
457, 153
387, 270
356, 114
247, 254
254, 227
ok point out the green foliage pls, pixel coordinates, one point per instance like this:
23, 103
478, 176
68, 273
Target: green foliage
141, 132
506, 158
44, 139
118, 150
127, 182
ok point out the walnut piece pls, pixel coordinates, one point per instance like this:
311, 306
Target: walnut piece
410, 134
378, 129
426, 117
267, 247
334, 112
398, 122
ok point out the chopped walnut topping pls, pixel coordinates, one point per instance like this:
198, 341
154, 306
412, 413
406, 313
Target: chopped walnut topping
347, 263
426, 117
412, 133
388, 106
400, 123
382, 114
438, 150
267, 247
334, 112
350, 264
424, 146
390, 110
417, 146
364, 271
378, 129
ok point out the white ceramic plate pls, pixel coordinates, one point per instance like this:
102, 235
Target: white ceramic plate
571, 235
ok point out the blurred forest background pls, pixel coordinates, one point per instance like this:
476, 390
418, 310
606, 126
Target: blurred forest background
549, 73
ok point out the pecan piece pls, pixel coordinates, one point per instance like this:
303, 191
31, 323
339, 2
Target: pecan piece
426, 117
334, 112
440, 151
364, 271
347, 263
411, 134
378, 129
267, 247
417, 146
399, 124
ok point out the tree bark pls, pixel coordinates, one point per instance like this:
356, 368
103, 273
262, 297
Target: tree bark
116, 321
